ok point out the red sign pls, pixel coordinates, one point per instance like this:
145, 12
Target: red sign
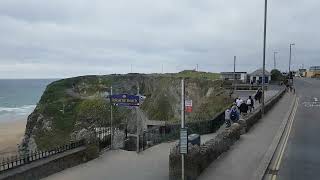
188, 106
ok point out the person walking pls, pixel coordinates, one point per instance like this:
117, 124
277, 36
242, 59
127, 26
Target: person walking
234, 114
243, 108
239, 102
258, 95
250, 104
227, 118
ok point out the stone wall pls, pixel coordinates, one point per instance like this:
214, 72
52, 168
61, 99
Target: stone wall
53, 164
199, 158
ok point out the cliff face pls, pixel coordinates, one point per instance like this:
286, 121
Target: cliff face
70, 107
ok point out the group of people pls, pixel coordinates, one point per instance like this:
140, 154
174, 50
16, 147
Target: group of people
241, 107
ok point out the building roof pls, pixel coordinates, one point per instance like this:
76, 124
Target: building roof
233, 72
259, 72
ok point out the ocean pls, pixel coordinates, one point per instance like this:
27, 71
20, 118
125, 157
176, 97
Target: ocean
18, 97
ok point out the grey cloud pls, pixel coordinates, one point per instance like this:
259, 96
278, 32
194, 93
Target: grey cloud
39, 38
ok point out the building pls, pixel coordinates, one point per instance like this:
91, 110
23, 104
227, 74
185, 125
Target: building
256, 76
314, 71
240, 76
302, 72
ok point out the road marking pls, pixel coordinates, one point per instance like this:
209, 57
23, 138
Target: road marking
283, 146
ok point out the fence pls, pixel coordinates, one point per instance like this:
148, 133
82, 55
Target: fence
103, 135
166, 133
19, 160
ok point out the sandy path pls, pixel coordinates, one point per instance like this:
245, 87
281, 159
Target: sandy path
11, 134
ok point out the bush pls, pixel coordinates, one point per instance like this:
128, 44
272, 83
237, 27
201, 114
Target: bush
276, 75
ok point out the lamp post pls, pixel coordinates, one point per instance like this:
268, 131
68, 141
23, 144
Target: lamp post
264, 54
290, 56
274, 60
234, 73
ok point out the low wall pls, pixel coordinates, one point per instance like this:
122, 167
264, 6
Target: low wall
53, 164
199, 158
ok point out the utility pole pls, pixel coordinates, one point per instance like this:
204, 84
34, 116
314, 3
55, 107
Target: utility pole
138, 125
274, 60
234, 73
162, 68
197, 67
111, 119
264, 54
182, 123
290, 57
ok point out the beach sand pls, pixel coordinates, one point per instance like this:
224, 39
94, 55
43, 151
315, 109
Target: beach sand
11, 134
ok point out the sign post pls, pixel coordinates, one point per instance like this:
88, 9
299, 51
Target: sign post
138, 133
111, 119
127, 101
183, 130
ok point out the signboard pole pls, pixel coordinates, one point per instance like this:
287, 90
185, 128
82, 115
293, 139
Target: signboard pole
138, 133
111, 119
182, 123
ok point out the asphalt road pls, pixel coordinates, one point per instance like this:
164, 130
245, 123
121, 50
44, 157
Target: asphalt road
301, 159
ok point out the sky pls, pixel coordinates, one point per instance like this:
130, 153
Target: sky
65, 38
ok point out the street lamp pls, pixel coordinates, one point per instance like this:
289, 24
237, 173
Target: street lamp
290, 56
274, 60
264, 54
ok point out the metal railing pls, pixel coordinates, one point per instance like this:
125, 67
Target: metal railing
19, 160
171, 132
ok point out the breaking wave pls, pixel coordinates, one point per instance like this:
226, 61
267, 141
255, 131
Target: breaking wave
23, 110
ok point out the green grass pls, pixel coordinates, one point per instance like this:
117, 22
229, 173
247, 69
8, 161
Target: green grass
195, 74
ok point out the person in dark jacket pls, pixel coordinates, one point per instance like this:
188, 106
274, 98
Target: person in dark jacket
243, 108
258, 95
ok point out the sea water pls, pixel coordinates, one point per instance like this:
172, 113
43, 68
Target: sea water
19, 97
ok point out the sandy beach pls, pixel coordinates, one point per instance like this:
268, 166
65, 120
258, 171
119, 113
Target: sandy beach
11, 134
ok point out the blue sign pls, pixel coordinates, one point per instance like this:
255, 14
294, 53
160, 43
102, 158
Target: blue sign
125, 100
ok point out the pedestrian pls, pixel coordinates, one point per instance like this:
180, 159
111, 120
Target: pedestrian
258, 95
243, 108
234, 114
250, 104
239, 102
227, 118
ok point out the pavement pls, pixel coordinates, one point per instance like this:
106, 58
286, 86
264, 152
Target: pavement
301, 159
243, 159
152, 163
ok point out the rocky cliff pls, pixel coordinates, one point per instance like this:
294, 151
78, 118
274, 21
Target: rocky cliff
70, 107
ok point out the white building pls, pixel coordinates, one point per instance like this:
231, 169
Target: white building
256, 76
241, 76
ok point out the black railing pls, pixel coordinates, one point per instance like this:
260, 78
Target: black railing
103, 135
171, 132
19, 160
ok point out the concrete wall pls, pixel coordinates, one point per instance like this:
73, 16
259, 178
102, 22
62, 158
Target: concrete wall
199, 158
53, 164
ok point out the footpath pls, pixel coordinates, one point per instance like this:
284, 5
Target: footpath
152, 163
243, 159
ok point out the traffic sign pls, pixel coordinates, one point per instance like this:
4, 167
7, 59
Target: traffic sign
125, 100
183, 141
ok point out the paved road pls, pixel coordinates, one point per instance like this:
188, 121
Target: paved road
302, 155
